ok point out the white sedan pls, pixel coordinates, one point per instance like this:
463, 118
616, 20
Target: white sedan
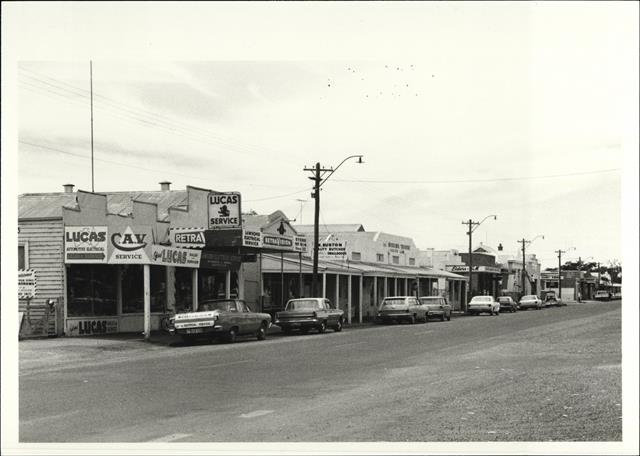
486, 304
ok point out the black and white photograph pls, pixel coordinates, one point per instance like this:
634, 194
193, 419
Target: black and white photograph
320, 228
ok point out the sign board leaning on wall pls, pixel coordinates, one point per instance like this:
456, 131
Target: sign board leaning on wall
26, 284
85, 244
89, 326
224, 211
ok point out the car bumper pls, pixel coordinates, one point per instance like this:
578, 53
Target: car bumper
298, 323
479, 309
395, 316
202, 331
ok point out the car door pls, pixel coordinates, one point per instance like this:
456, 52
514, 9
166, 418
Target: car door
334, 313
446, 307
328, 312
234, 317
249, 319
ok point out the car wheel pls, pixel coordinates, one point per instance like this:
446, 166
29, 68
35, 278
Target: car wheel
338, 327
322, 328
232, 335
449, 317
442, 317
412, 320
426, 317
262, 333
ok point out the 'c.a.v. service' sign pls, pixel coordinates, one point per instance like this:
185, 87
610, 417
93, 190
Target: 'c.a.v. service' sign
130, 245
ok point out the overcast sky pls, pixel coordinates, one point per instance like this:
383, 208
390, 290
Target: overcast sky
512, 109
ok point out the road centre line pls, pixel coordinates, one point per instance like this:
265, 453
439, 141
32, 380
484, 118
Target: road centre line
423, 332
225, 364
170, 438
256, 413
352, 343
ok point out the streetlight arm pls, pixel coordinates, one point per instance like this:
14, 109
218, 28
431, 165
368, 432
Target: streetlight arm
336, 168
495, 217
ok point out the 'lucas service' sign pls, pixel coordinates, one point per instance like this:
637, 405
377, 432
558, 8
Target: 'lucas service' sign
224, 211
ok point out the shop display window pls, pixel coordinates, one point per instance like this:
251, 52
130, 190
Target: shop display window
158, 285
211, 284
132, 288
184, 300
91, 290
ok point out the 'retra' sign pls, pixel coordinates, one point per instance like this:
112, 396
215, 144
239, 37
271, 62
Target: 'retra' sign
224, 211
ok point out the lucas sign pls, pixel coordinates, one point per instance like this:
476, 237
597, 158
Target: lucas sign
168, 256
224, 211
85, 244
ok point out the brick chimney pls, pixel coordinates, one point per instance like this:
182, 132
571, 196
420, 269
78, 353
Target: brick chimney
165, 186
500, 247
68, 188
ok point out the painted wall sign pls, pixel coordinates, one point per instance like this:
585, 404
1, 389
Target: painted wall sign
224, 211
130, 245
189, 238
210, 260
251, 238
171, 256
27, 284
91, 326
332, 250
85, 244
299, 243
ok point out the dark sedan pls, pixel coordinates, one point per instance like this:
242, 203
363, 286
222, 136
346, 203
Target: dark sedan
507, 304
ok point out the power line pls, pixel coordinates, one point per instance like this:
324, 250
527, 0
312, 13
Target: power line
469, 181
53, 149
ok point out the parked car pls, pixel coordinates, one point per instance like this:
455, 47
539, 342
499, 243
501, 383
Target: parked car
435, 306
602, 295
553, 300
483, 304
507, 303
310, 313
220, 318
617, 295
530, 302
401, 308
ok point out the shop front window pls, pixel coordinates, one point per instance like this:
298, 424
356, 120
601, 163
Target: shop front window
184, 299
132, 288
91, 290
211, 284
158, 285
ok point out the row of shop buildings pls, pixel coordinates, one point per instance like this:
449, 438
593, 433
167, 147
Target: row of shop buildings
118, 262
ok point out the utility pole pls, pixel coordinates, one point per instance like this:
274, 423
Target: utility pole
91, 91
560, 252
318, 179
522, 287
471, 228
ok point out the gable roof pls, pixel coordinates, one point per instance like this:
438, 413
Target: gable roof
44, 205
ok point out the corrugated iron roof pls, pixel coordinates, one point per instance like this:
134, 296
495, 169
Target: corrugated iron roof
44, 205
334, 228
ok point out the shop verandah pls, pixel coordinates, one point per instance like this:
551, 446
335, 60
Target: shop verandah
356, 287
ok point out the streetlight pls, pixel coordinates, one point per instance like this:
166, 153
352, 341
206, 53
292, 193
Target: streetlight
560, 252
320, 176
524, 263
471, 224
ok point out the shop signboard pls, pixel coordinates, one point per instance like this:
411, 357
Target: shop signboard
26, 284
171, 256
85, 244
214, 260
130, 245
299, 243
224, 211
251, 238
332, 250
189, 238
277, 241
465, 268
90, 326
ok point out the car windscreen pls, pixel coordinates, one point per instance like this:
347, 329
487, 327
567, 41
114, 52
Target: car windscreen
528, 298
394, 302
307, 304
222, 305
430, 299
482, 299
503, 299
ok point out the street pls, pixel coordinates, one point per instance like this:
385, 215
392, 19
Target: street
552, 374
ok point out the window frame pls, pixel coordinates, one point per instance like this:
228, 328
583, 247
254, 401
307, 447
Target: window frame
25, 245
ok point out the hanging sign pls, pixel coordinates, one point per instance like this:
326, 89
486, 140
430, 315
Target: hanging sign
171, 256
224, 211
299, 243
332, 250
26, 284
190, 238
130, 245
251, 238
85, 244
211, 260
